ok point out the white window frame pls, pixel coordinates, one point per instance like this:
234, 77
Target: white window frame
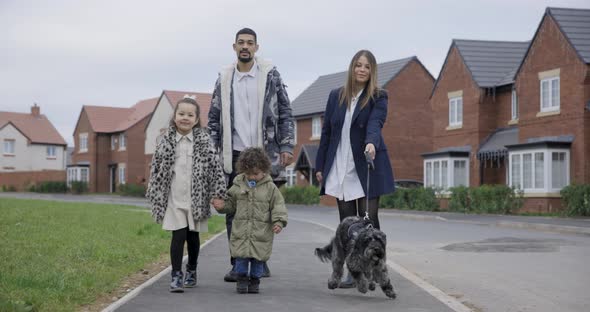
295, 131
76, 174
113, 142
51, 151
291, 176
552, 105
83, 142
433, 164
122, 174
9, 146
514, 106
547, 169
456, 111
122, 142
316, 127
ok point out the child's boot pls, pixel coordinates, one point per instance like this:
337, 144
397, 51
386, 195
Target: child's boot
176, 284
190, 280
253, 285
242, 284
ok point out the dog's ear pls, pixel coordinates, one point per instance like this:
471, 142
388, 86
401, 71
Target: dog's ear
381, 237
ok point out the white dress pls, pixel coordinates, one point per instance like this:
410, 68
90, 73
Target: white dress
342, 181
178, 213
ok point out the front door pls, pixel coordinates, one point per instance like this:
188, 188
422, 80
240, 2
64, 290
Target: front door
112, 177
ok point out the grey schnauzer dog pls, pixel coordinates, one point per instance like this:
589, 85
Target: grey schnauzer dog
362, 247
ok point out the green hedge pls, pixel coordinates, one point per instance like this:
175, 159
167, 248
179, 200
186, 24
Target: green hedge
303, 195
411, 199
8, 188
49, 187
136, 190
499, 199
79, 187
576, 199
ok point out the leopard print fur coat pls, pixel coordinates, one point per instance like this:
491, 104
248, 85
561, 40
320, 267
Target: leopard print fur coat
208, 180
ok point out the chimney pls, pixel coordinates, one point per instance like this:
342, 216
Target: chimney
35, 110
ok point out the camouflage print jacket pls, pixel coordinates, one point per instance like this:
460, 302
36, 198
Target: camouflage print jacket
276, 124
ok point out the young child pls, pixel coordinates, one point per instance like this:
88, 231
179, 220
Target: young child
186, 176
260, 213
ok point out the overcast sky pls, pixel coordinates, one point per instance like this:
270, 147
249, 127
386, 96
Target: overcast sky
65, 54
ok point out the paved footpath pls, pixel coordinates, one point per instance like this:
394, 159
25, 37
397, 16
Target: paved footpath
298, 283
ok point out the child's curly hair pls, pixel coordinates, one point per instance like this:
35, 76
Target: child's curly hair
253, 158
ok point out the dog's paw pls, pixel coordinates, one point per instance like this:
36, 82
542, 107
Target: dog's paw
362, 287
372, 286
333, 284
391, 294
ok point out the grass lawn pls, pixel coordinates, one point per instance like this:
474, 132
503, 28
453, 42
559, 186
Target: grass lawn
57, 256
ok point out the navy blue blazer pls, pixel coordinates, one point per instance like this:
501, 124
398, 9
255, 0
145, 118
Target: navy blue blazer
365, 128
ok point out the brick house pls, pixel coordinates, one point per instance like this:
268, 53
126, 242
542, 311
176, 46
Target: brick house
471, 104
109, 146
552, 148
32, 150
407, 131
158, 121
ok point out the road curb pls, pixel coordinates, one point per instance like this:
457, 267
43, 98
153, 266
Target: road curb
542, 227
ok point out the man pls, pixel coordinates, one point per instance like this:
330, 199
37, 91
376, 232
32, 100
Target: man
250, 107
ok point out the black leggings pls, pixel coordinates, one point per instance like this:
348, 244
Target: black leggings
193, 243
357, 208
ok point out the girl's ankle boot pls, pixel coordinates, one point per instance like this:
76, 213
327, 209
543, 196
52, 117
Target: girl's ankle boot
176, 283
253, 286
242, 284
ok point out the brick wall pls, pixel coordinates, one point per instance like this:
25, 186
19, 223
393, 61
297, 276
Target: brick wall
84, 126
21, 180
551, 50
455, 76
303, 137
408, 128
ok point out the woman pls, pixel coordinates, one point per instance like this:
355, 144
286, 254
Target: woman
352, 124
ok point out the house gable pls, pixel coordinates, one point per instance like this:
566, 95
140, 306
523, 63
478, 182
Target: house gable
158, 120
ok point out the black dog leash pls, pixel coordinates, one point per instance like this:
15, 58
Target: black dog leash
370, 165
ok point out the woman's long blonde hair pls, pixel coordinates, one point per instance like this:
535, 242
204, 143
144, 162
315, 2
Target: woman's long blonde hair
371, 87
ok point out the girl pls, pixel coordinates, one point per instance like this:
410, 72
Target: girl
185, 177
353, 120
259, 213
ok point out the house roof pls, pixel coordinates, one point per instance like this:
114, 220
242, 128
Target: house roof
313, 99
491, 63
452, 151
138, 112
559, 141
306, 158
38, 129
105, 119
575, 25
204, 100
494, 147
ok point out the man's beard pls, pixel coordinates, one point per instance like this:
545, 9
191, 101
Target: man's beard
245, 59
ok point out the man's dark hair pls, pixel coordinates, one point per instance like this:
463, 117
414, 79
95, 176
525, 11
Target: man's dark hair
253, 158
246, 31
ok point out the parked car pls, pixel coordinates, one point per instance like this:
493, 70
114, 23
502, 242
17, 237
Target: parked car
405, 184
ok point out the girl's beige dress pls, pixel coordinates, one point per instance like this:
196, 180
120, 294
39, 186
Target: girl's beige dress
178, 213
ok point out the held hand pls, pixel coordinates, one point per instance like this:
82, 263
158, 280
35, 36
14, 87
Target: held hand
218, 203
277, 229
371, 149
286, 159
319, 176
